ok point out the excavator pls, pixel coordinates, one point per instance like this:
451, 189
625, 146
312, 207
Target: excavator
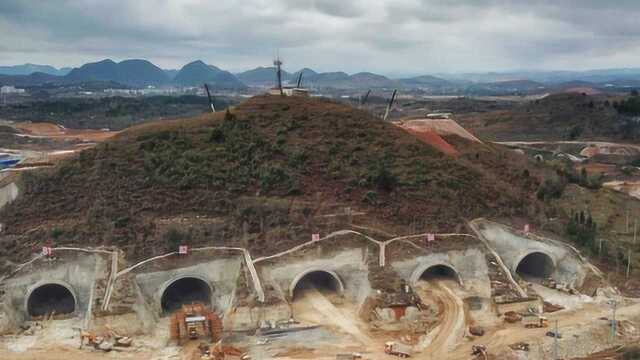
105, 343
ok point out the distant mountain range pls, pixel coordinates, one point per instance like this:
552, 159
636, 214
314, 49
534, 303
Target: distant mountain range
549, 77
197, 72
141, 73
27, 69
128, 72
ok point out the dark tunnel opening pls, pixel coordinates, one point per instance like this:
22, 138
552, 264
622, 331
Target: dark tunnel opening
535, 266
439, 272
322, 281
51, 299
185, 291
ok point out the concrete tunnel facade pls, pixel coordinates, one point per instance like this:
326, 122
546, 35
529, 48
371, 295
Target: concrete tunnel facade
468, 267
212, 282
555, 259
41, 286
346, 268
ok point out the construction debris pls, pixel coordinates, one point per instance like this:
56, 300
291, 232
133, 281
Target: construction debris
521, 346
479, 351
512, 317
476, 330
549, 307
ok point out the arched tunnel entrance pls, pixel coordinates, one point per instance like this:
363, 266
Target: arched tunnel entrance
50, 299
185, 290
324, 281
535, 266
440, 272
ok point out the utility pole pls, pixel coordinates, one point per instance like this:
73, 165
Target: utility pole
635, 230
627, 215
278, 65
600, 249
555, 343
629, 263
614, 325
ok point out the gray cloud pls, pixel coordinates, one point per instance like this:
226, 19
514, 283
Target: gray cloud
388, 36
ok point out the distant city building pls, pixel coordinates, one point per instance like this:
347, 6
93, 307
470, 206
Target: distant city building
11, 90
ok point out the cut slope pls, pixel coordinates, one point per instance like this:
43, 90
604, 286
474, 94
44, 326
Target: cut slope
443, 127
273, 149
433, 139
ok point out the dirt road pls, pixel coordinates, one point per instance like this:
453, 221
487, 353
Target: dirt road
579, 322
314, 307
451, 329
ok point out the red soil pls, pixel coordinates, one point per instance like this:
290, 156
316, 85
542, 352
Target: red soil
431, 138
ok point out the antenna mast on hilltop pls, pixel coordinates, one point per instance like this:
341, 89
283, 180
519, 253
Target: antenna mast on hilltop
278, 65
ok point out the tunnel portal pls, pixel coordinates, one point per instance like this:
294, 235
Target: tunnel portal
51, 299
186, 290
535, 266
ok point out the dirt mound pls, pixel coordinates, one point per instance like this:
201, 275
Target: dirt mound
260, 174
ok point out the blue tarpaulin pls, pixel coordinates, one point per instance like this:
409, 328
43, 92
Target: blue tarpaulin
8, 162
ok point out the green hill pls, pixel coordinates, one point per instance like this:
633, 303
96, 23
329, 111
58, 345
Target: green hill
258, 177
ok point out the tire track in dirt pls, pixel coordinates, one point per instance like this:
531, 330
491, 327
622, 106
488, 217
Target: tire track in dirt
452, 323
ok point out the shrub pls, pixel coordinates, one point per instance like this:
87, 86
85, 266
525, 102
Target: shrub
582, 229
270, 178
551, 188
173, 238
56, 233
382, 177
370, 197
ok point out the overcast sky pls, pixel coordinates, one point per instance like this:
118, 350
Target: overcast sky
393, 37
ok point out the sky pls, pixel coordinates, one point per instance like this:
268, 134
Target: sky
391, 37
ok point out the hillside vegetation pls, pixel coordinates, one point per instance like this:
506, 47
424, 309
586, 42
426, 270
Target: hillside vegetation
247, 169
558, 117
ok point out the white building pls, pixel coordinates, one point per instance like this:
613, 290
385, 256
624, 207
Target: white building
11, 90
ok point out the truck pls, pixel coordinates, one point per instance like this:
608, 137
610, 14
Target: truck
397, 349
535, 321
